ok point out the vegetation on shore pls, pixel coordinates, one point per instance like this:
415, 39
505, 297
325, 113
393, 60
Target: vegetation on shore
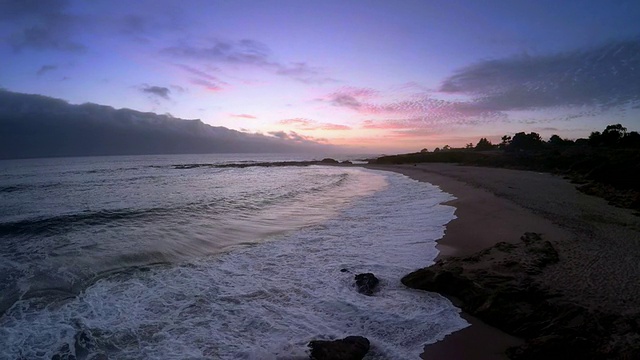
606, 164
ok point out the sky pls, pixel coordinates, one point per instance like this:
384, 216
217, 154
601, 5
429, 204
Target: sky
373, 76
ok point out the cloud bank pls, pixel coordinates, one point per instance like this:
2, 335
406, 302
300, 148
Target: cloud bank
40, 126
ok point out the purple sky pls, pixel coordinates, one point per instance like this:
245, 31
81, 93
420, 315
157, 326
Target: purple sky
389, 76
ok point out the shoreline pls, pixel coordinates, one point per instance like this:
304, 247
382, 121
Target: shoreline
495, 205
473, 205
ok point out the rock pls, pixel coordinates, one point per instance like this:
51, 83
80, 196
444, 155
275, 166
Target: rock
329, 161
498, 285
64, 354
82, 346
349, 348
344, 270
84, 343
366, 283
347, 162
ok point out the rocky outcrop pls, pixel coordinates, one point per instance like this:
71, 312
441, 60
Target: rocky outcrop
349, 348
498, 285
366, 283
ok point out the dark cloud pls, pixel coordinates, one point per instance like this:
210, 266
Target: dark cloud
159, 91
238, 52
350, 97
302, 72
16, 9
345, 100
605, 76
45, 68
246, 52
40, 25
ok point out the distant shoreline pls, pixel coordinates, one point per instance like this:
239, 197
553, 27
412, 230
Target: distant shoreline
495, 205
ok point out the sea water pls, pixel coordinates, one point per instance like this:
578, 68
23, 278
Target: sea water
173, 257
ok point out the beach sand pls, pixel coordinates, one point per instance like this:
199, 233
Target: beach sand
599, 245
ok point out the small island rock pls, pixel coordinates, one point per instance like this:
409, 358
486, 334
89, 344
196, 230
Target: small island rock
366, 283
349, 348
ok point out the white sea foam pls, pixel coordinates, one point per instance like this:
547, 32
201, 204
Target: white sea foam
267, 300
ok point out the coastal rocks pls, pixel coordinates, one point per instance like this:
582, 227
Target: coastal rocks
349, 348
366, 283
498, 285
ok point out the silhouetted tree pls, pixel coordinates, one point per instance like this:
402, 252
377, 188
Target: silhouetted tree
631, 140
556, 140
522, 141
484, 144
469, 146
506, 140
612, 135
425, 150
595, 138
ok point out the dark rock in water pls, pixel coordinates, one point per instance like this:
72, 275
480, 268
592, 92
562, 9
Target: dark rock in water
344, 270
349, 348
64, 354
83, 344
498, 285
347, 162
366, 283
329, 161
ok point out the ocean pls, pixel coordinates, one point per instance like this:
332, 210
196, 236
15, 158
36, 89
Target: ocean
174, 257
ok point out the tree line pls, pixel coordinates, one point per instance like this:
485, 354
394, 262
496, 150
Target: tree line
613, 136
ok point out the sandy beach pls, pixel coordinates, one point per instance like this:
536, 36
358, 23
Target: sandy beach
598, 244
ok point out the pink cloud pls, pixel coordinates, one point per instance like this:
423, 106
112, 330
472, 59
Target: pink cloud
244, 116
307, 124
